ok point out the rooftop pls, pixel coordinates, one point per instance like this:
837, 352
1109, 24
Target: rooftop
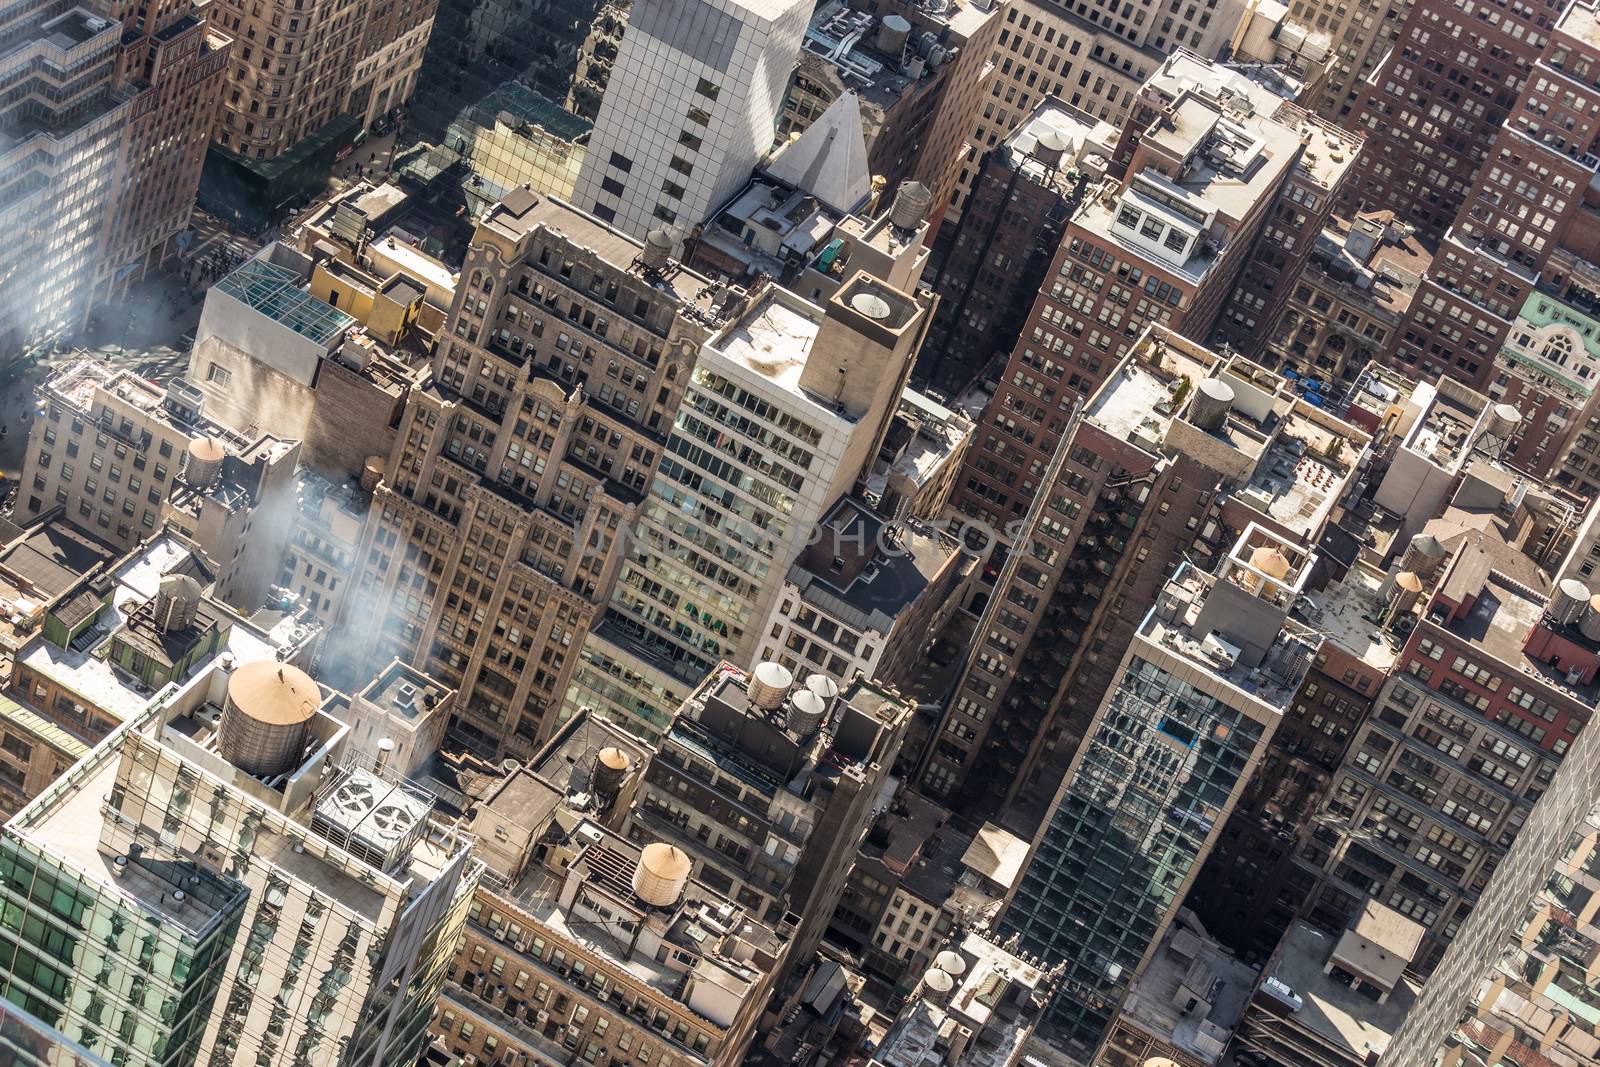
567, 760
67, 823
772, 338
40, 565
999, 998
1347, 1019
1377, 387
936, 874
1503, 611
996, 854
1294, 460
84, 670
1388, 279
1192, 994
771, 228
765, 750
276, 292
904, 560
1261, 96
1220, 144
521, 211
1172, 625
921, 440
1136, 402
1346, 613
404, 691
1445, 428
1087, 143
1581, 22
711, 939
49, 558
899, 835
829, 159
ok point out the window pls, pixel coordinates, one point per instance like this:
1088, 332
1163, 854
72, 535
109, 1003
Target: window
707, 90
621, 162
218, 373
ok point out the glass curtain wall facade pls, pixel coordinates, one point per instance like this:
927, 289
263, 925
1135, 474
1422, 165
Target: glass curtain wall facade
513, 86
27, 1042
1156, 775
131, 982
62, 126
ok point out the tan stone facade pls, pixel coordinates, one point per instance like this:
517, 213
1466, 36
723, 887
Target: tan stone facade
494, 534
295, 69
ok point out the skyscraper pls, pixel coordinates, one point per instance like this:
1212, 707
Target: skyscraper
1025, 191
553, 392
1435, 105
1199, 693
1511, 290
784, 412
767, 781
214, 884
102, 134
1220, 172
1517, 985
1178, 447
690, 108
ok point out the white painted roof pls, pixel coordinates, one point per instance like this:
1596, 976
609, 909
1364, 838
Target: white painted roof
829, 160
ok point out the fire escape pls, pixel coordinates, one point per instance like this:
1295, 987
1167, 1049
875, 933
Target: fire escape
1030, 701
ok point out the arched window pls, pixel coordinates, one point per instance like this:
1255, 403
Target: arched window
1557, 349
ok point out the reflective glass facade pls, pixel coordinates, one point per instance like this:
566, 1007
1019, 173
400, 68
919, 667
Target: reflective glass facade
1158, 771
110, 974
510, 85
27, 1042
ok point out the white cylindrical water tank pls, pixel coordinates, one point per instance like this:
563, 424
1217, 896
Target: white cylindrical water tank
372, 472
769, 684
177, 602
205, 461
1051, 147
1589, 621
911, 204
824, 687
1407, 588
1503, 421
610, 768
1423, 555
657, 249
662, 873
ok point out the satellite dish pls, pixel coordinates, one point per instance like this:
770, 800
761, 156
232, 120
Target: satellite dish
871, 305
